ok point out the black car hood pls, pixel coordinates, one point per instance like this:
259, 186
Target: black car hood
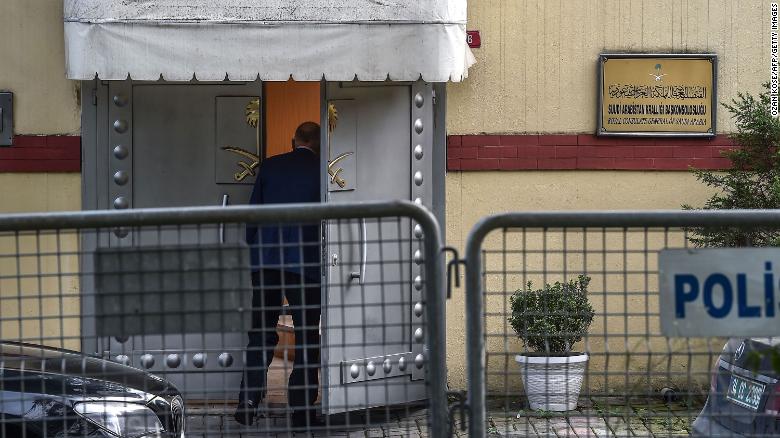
70, 374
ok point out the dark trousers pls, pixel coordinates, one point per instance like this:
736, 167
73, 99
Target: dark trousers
270, 286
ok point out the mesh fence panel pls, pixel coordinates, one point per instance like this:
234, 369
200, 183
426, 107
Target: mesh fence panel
617, 376
166, 327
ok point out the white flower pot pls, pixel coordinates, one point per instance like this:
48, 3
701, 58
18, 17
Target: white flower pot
552, 383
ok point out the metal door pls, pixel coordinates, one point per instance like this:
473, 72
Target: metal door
378, 147
183, 145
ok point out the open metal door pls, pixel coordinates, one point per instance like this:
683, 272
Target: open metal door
176, 145
378, 147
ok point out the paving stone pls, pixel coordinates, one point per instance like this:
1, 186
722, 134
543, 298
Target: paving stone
374, 433
247, 434
516, 430
587, 426
616, 427
393, 430
203, 423
543, 427
602, 417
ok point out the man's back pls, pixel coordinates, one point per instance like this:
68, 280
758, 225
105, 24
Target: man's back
293, 177
288, 178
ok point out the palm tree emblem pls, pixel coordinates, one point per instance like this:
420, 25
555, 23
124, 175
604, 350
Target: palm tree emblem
658, 75
252, 112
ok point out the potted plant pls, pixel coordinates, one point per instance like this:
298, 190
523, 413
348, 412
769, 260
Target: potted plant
550, 321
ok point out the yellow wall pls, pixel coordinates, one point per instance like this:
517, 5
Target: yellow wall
32, 65
536, 73
473, 195
39, 285
38, 291
536, 70
35, 192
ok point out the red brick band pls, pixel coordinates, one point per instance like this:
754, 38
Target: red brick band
42, 153
584, 152
61, 153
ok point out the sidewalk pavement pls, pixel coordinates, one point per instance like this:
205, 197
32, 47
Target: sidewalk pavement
595, 417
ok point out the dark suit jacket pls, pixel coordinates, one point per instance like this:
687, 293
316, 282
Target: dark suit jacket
293, 177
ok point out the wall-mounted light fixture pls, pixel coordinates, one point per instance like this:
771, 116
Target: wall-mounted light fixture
6, 118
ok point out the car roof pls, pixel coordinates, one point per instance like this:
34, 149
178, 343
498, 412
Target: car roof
772, 342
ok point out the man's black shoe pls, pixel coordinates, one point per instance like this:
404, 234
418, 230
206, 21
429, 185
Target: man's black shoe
305, 421
245, 413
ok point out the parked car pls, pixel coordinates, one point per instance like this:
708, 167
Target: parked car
48, 392
744, 398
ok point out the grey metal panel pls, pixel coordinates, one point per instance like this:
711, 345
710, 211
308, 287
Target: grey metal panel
175, 144
120, 155
211, 378
103, 148
6, 119
172, 289
89, 144
90, 189
210, 370
383, 165
422, 135
376, 368
171, 143
325, 378
439, 202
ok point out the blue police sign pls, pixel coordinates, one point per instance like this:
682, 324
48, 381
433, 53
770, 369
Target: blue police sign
720, 292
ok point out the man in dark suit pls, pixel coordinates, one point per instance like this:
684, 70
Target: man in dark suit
285, 263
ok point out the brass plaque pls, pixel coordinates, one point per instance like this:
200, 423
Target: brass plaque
657, 95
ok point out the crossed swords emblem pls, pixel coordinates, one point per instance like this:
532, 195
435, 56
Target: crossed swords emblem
335, 176
248, 168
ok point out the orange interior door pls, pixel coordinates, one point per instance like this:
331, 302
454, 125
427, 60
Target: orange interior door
287, 105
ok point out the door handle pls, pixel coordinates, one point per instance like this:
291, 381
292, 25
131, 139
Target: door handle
225, 198
361, 275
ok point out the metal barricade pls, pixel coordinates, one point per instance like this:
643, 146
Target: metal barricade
636, 382
167, 314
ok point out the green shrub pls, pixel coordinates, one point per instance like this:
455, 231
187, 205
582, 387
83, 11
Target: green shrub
753, 181
551, 320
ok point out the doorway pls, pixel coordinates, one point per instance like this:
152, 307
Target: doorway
286, 106
158, 144
179, 145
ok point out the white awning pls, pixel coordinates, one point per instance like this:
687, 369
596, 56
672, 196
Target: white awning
275, 40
